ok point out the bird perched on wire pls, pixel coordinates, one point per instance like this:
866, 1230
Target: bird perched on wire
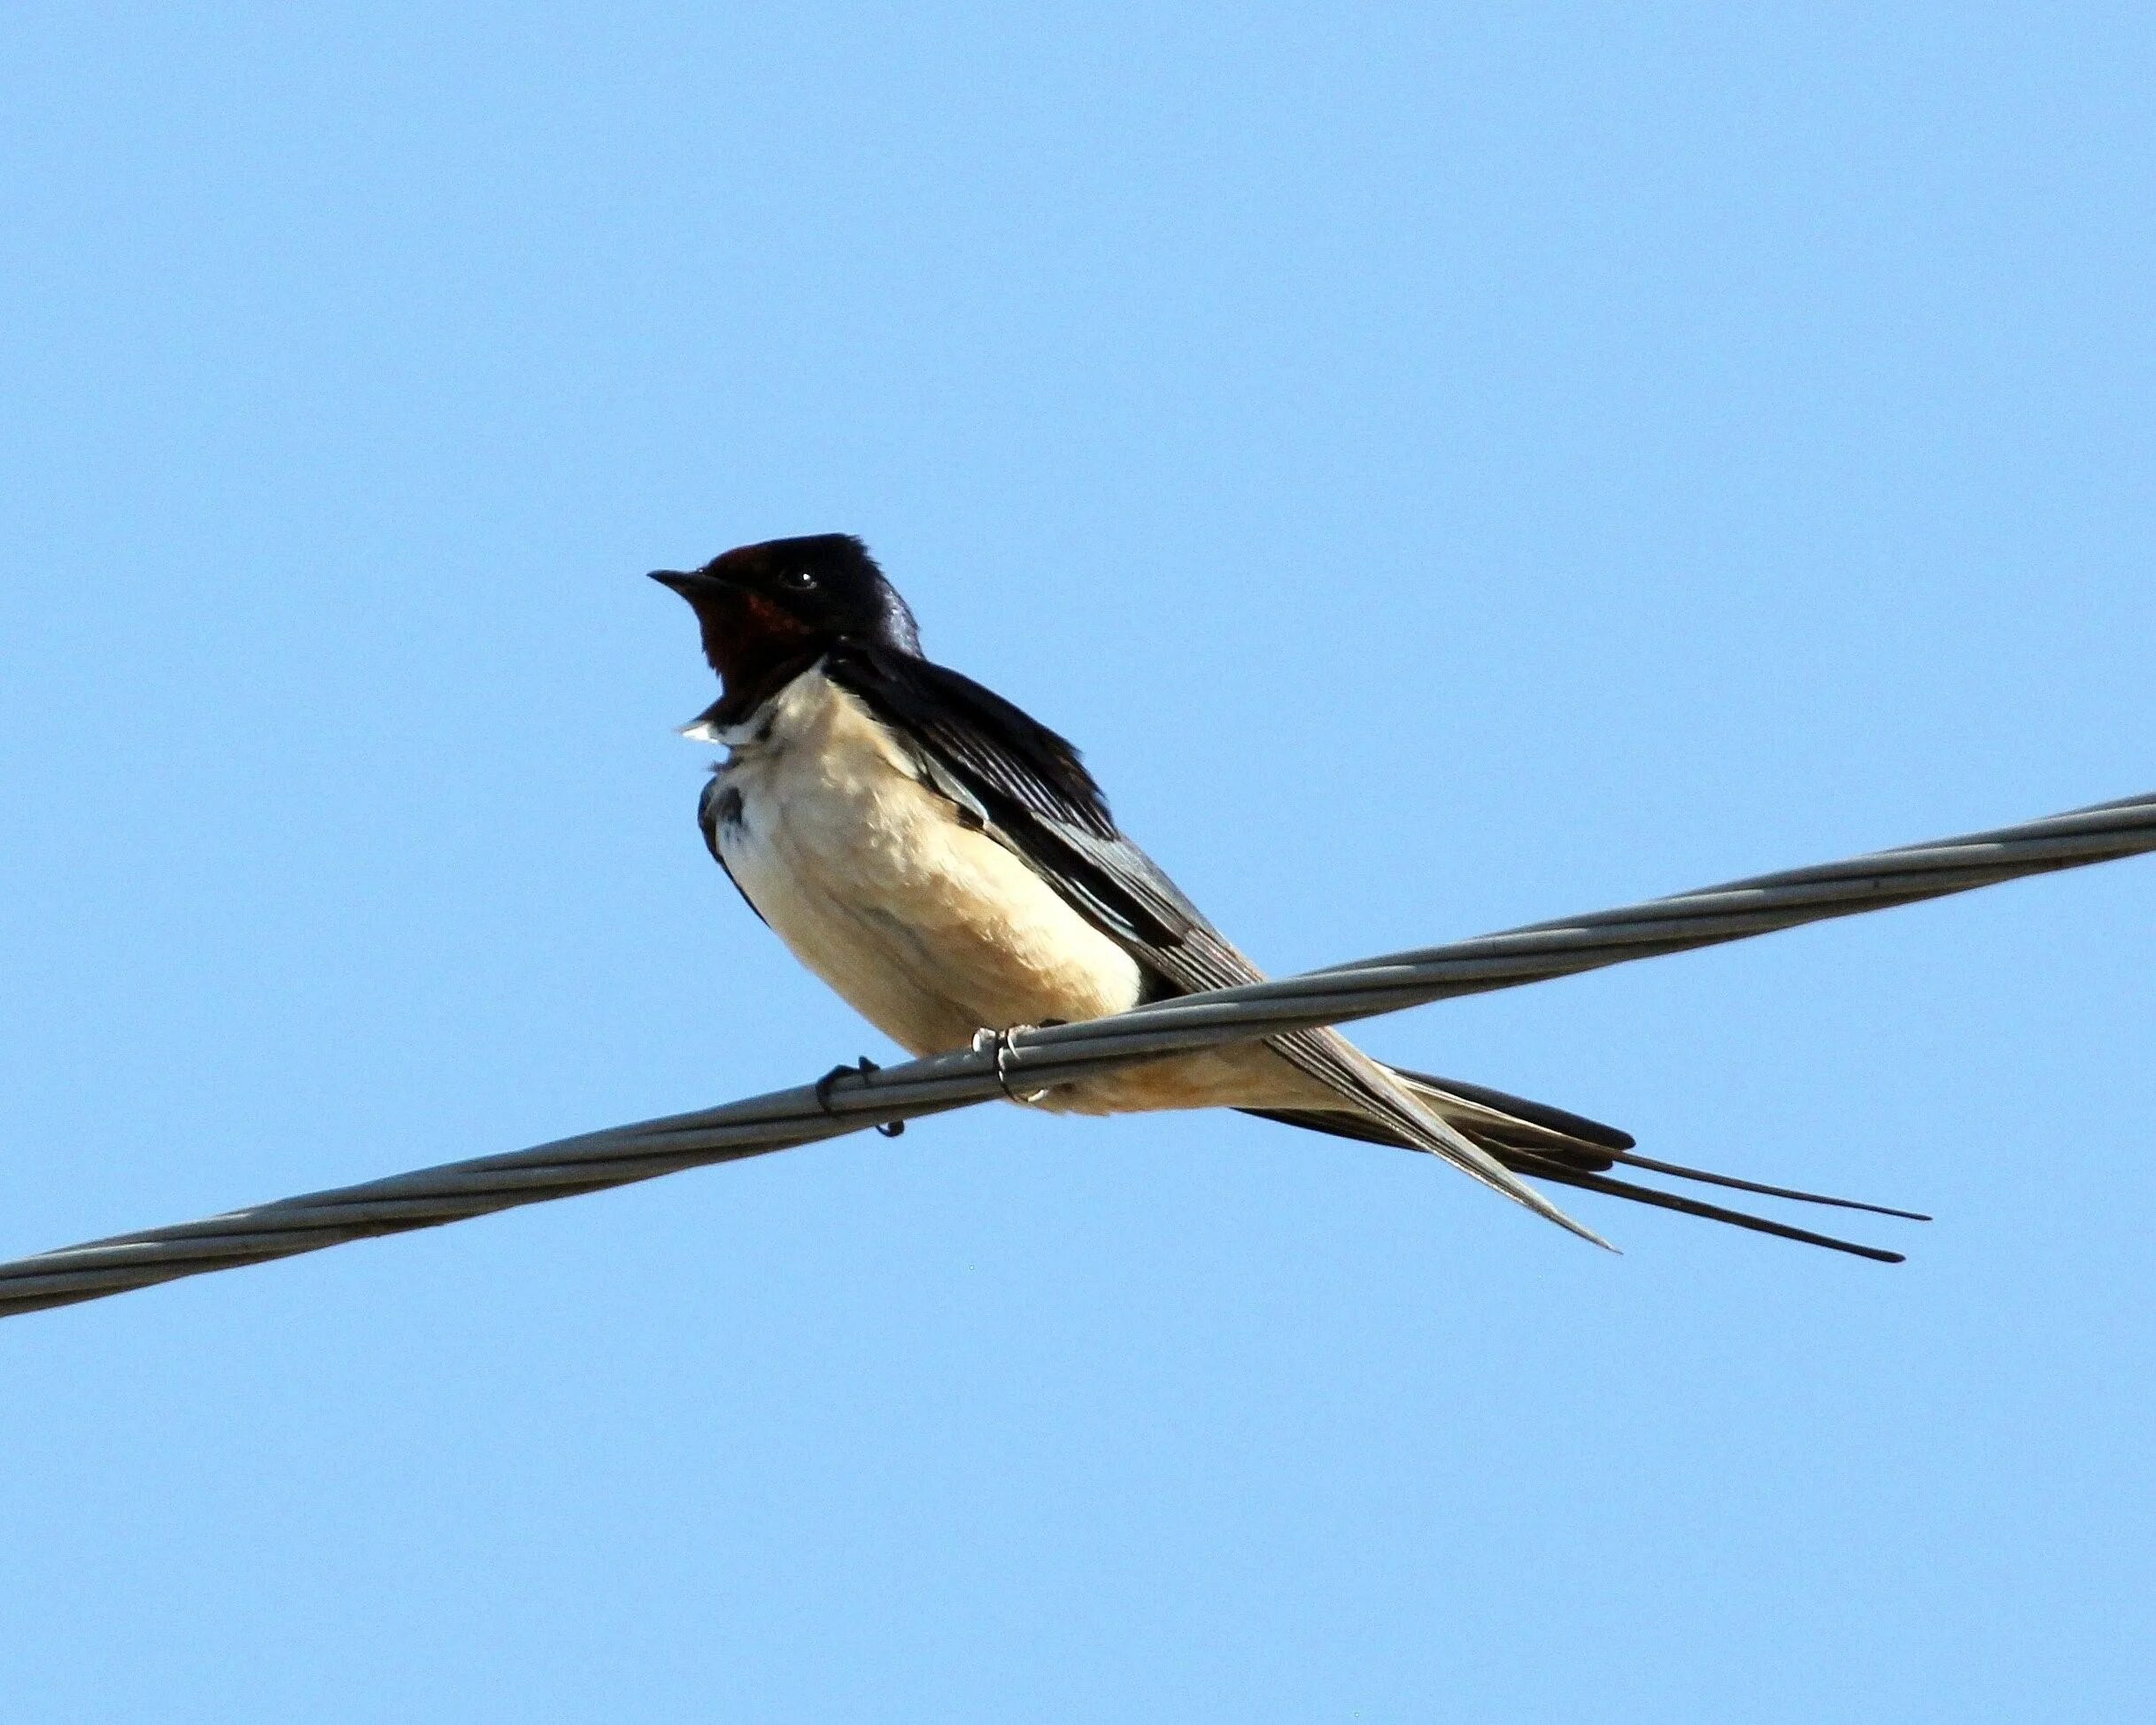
948, 865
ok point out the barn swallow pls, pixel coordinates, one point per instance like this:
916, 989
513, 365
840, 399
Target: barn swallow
948, 865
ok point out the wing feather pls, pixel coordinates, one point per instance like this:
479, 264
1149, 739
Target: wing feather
1040, 799
707, 817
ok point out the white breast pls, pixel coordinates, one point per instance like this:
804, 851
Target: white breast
929, 927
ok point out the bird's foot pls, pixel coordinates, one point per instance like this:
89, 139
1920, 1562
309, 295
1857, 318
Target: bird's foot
889, 1128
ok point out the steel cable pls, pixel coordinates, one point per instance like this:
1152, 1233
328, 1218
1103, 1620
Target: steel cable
1028, 1060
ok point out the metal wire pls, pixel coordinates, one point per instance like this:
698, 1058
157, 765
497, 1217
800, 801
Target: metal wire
1034, 1059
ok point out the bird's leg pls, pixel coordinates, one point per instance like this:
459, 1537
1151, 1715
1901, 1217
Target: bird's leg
889, 1128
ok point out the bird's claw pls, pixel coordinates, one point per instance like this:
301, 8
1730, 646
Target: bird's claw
888, 1128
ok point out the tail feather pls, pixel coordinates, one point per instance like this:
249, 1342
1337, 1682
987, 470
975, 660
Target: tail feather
1569, 1150
1506, 1109
1423, 1124
1678, 1170
1690, 1206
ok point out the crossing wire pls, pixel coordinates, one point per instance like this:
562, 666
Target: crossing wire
1026, 1060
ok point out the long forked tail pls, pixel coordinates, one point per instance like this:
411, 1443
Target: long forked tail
1568, 1149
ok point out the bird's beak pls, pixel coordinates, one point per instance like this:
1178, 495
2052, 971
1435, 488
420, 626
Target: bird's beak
690, 583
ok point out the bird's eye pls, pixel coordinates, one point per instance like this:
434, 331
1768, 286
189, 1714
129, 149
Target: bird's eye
799, 580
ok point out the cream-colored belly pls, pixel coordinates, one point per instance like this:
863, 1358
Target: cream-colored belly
932, 929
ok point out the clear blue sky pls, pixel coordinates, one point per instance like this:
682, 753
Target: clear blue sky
1448, 467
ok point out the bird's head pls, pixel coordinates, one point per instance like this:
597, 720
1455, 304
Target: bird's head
765, 608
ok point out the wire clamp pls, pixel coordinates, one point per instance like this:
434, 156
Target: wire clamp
997, 1042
